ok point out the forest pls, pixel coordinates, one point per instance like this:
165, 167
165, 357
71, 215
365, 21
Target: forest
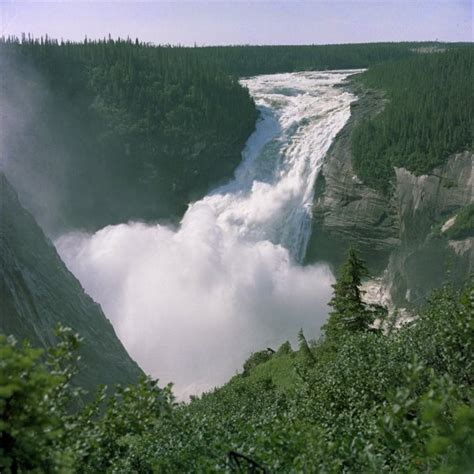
429, 115
252, 60
143, 129
121, 130
364, 397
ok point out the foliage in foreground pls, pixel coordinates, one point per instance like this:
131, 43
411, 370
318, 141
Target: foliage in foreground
356, 401
44, 425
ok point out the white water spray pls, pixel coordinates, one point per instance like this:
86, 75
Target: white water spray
191, 304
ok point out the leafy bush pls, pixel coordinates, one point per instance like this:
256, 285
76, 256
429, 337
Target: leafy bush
35, 393
284, 349
463, 226
396, 402
255, 359
44, 426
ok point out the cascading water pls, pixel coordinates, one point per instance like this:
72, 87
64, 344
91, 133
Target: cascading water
190, 304
272, 194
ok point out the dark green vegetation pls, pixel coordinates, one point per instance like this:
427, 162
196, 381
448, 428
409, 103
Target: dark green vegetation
463, 226
37, 292
357, 400
37, 430
429, 115
350, 313
253, 60
118, 130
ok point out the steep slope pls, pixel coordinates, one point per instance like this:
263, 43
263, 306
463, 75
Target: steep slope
116, 130
345, 211
428, 255
37, 291
400, 233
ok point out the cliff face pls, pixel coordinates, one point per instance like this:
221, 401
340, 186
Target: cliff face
426, 256
399, 235
37, 292
345, 211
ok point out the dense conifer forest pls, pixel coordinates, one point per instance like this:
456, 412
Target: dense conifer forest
125, 130
429, 115
252, 60
122, 130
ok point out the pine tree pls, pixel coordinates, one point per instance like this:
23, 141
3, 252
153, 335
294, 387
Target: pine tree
304, 348
349, 313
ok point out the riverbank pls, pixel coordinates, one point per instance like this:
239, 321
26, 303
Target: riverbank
398, 234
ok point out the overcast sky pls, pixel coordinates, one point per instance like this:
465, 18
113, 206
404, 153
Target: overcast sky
243, 22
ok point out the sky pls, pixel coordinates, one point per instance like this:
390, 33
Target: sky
205, 22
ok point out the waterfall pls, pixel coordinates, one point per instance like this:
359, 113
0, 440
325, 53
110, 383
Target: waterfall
190, 304
272, 193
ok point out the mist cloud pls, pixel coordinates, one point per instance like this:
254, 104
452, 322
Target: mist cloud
190, 306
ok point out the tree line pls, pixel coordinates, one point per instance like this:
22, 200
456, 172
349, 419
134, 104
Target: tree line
428, 117
120, 130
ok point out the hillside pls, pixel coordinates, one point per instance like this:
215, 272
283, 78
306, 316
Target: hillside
365, 402
427, 117
389, 187
37, 292
357, 400
116, 130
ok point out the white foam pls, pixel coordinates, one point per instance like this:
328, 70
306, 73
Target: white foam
191, 304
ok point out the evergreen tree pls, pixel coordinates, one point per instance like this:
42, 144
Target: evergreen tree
304, 347
349, 313
427, 118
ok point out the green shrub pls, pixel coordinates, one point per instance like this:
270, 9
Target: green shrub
463, 226
255, 359
397, 402
35, 393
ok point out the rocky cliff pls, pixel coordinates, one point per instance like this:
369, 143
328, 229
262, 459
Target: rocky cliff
345, 211
400, 235
427, 205
37, 292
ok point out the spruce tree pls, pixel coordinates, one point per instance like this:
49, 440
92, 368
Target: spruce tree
349, 312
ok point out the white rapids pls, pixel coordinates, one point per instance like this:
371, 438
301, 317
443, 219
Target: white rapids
272, 194
190, 304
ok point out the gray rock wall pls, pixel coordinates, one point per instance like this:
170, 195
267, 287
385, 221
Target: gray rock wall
345, 211
426, 258
399, 235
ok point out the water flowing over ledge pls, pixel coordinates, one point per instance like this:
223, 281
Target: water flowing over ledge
190, 304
